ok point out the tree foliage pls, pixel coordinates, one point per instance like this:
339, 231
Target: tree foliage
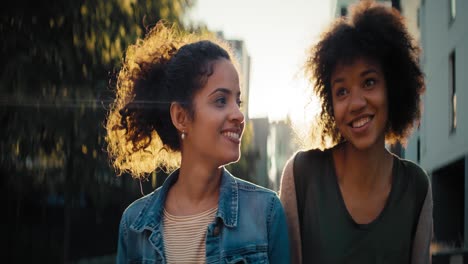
58, 58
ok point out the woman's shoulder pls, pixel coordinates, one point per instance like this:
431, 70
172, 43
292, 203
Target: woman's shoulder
247, 186
305, 162
245, 189
310, 156
415, 176
313, 152
137, 206
413, 170
306, 154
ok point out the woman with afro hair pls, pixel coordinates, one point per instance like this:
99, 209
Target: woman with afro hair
177, 107
353, 201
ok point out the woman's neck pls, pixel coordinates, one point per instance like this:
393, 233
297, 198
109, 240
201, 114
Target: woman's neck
196, 190
198, 182
364, 170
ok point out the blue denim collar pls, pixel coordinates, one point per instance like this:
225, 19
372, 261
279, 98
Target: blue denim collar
150, 216
228, 204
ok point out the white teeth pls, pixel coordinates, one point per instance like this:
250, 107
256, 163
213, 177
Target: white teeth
231, 135
360, 122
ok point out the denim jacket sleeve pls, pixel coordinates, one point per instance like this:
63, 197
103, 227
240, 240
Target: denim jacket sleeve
122, 243
278, 245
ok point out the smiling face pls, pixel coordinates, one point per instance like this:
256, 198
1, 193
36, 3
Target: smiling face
214, 133
360, 104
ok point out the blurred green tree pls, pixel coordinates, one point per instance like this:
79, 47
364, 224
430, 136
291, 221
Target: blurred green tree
58, 58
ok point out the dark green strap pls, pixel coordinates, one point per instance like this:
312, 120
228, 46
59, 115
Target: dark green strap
307, 166
298, 175
421, 183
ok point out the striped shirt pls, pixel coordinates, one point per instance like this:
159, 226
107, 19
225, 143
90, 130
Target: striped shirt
185, 236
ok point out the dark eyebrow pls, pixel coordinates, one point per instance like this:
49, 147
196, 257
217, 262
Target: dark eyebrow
364, 73
338, 80
223, 90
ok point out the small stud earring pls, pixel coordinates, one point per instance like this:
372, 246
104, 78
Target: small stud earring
182, 136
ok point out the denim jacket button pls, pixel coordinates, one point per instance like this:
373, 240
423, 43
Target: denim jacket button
216, 231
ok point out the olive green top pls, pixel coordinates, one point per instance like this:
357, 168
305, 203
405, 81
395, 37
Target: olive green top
328, 232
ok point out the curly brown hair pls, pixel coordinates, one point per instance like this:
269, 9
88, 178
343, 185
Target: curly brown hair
376, 32
166, 66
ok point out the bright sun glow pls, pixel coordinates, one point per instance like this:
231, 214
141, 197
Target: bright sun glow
277, 35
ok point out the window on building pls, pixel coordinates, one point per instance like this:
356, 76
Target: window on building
344, 11
396, 4
418, 21
453, 9
390, 3
453, 92
418, 151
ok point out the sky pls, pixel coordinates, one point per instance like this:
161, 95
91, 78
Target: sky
277, 34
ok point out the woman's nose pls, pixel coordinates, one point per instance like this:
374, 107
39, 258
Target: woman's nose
358, 100
237, 114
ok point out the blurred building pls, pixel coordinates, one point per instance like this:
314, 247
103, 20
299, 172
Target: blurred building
242, 56
261, 129
341, 7
441, 144
280, 147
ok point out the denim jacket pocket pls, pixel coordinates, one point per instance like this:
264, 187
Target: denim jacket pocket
248, 255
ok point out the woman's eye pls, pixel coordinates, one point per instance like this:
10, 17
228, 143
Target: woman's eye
341, 92
369, 83
239, 102
221, 101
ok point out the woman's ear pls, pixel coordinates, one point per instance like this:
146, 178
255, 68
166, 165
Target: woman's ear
179, 116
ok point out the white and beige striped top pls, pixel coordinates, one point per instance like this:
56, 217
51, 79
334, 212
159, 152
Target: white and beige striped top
185, 236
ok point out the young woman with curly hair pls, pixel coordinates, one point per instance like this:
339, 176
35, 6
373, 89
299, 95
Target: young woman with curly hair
178, 102
355, 202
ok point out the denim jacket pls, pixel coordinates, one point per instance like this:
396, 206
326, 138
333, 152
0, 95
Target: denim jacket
249, 227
